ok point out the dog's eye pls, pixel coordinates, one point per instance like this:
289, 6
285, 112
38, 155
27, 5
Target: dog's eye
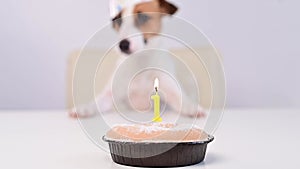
142, 18
117, 21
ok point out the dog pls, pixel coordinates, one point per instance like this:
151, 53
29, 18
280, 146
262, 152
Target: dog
145, 17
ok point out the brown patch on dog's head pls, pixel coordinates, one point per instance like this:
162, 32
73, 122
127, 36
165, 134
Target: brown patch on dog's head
161, 6
148, 16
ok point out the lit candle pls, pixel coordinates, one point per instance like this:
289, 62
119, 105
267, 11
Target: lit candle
156, 100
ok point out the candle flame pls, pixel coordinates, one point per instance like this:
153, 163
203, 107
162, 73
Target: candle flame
156, 84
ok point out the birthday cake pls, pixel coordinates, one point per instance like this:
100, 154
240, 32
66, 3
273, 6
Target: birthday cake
157, 144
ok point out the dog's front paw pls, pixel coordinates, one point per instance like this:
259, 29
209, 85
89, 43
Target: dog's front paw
198, 113
81, 112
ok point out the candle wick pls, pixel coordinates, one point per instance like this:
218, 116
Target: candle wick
156, 89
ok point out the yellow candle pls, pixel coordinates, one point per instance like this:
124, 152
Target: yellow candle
156, 100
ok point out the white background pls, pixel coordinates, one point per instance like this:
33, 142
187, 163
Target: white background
259, 41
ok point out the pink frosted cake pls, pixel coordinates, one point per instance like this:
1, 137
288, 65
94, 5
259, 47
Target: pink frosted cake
156, 132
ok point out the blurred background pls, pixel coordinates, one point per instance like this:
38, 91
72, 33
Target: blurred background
258, 40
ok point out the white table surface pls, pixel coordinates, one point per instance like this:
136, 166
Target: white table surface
245, 139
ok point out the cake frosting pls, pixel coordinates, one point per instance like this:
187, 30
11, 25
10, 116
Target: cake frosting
156, 132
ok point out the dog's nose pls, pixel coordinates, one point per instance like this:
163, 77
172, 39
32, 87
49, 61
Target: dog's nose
124, 46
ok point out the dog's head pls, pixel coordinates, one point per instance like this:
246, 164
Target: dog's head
138, 23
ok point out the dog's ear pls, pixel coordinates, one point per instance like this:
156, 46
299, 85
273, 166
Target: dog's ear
167, 7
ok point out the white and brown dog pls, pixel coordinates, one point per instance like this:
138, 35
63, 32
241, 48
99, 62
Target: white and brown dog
146, 18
